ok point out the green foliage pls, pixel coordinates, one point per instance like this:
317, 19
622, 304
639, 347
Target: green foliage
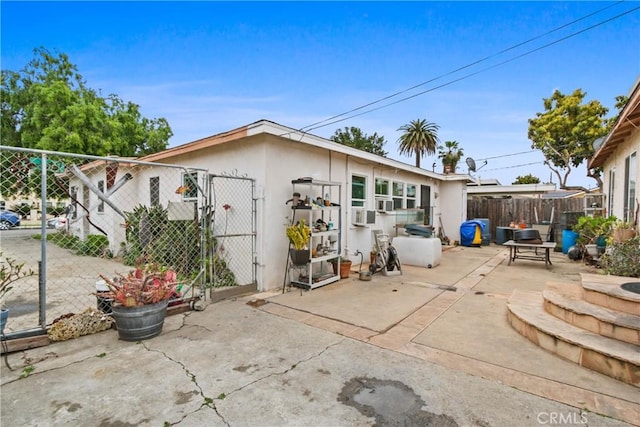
419, 137
565, 132
95, 245
26, 371
64, 240
450, 153
23, 209
590, 228
47, 105
175, 244
622, 258
353, 137
526, 179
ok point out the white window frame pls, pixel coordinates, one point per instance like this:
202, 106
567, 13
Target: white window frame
191, 193
413, 200
359, 202
398, 194
154, 194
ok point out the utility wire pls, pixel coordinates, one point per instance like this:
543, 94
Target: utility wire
460, 68
508, 155
308, 128
514, 166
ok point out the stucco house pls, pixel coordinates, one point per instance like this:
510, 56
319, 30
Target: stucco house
617, 155
373, 189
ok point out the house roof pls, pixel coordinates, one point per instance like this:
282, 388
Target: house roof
628, 122
296, 136
507, 190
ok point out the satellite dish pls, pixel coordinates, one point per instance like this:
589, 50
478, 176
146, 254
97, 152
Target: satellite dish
471, 163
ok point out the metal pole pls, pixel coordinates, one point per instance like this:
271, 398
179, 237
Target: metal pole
42, 265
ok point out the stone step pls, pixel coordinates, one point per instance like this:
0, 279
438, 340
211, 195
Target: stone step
619, 360
605, 291
564, 301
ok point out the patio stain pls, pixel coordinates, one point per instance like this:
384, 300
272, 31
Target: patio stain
391, 403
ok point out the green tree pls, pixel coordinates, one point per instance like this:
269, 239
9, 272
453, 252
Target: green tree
419, 137
450, 153
526, 179
565, 132
353, 137
47, 105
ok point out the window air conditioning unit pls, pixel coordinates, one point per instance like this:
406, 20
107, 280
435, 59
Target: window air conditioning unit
384, 205
363, 217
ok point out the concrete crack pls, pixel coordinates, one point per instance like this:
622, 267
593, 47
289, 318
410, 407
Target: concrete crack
207, 402
295, 365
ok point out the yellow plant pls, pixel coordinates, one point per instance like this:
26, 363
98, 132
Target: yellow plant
299, 234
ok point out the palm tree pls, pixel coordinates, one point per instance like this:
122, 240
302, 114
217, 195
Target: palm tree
419, 137
450, 153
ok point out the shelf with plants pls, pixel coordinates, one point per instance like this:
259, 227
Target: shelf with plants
316, 217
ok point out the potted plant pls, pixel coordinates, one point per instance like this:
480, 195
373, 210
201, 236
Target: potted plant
140, 300
343, 267
299, 234
450, 153
593, 231
622, 231
10, 271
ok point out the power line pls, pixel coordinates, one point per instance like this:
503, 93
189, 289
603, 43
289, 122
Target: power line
330, 121
514, 166
508, 155
460, 68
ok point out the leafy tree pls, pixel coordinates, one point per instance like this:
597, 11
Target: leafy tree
420, 137
565, 132
47, 105
353, 137
526, 179
450, 153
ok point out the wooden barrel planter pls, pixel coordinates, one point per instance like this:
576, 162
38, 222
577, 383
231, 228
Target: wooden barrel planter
141, 322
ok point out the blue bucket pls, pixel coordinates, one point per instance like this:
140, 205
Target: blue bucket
569, 238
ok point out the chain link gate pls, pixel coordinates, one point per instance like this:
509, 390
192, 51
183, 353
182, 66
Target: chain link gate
85, 216
233, 229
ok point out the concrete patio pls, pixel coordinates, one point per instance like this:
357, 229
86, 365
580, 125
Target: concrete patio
430, 346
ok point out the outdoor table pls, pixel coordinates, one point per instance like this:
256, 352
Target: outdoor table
533, 254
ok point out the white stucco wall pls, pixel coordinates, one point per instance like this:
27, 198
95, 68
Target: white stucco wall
616, 161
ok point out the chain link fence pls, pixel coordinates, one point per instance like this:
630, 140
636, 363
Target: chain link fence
79, 217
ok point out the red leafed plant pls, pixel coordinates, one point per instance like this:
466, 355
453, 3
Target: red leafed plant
147, 284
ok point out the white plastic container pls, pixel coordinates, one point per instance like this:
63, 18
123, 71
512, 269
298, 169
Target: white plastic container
101, 286
418, 251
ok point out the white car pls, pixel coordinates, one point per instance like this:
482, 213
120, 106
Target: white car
58, 223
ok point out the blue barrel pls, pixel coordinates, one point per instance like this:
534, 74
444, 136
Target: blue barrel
569, 238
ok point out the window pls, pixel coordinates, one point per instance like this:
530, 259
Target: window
101, 188
411, 196
154, 190
382, 187
358, 190
630, 167
612, 181
190, 190
398, 195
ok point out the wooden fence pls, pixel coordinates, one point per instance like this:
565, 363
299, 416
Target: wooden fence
501, 212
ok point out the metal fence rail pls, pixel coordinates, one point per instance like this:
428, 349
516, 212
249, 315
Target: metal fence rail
83, 216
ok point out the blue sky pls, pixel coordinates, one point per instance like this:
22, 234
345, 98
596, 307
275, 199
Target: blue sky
208, 67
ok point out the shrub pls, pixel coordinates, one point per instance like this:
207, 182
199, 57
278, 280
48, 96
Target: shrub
95, 245
622, 258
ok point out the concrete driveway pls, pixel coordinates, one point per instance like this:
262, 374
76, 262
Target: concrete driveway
430, 347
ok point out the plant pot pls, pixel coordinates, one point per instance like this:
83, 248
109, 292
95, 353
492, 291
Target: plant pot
4, 315
622, 234
299, 256
592, 249
345, 268
139, 323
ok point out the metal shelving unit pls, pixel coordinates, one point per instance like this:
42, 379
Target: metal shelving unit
324, 245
